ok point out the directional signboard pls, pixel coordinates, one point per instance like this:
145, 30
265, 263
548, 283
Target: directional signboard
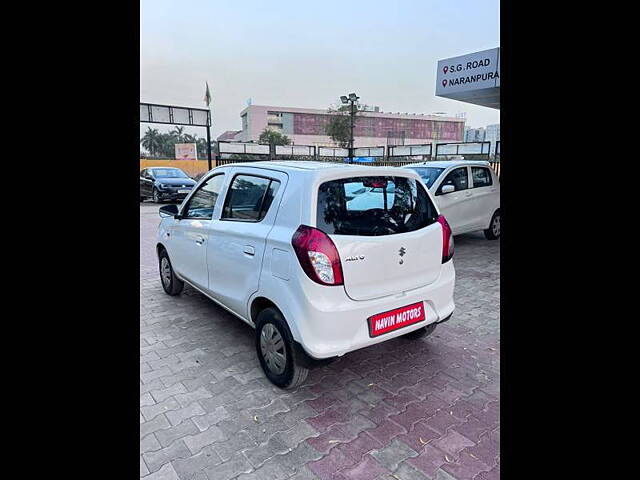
472, 78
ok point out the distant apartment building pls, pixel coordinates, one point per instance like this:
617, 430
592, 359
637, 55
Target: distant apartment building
306, 126
474, 134
492, 135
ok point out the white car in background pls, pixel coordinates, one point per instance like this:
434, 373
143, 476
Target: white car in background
321, 259
467, 193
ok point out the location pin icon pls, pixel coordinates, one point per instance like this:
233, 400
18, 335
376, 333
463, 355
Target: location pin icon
445, 69
444, 82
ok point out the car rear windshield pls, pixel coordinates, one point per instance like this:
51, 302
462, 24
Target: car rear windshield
373, 206
169, 173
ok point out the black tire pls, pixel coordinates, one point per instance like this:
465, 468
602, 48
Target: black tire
421, 332
156, 196
292, 375
171, 284
493, 232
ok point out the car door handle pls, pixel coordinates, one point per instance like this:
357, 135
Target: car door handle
199, 240
249, 250
468, 194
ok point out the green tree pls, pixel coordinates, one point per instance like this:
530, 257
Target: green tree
272, 137
178, 132
152, 141
338, 128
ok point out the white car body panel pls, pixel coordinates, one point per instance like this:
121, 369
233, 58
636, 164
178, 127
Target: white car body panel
326, 320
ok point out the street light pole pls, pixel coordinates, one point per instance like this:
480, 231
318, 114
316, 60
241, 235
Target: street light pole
351, 100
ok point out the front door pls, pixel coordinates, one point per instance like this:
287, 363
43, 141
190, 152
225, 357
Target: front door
456, 206
190, 234
238, 238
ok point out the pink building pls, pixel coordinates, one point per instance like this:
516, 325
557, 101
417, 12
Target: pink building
306, 126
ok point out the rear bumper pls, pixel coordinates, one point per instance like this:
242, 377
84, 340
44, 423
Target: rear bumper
331, 324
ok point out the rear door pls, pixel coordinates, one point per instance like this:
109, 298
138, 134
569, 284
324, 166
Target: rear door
485, 196
457, 206
238, 237
386, 245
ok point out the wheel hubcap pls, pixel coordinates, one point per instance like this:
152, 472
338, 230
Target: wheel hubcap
165, 272
496, 226
273, 350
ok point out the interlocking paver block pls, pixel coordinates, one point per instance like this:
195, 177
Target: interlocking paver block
162, 394
156, 459
331, 463
367, 469
158, 423
233, 467
178, 416
198, 441
151, 411
191, 466
292, 437
394, 453
165, 473
167, 436
234, 444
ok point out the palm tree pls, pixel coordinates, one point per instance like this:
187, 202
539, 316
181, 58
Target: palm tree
152, 140
178, 133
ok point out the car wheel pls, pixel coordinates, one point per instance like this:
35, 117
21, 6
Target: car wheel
493, 232
274, 347
421, 332
156, 196
171, 284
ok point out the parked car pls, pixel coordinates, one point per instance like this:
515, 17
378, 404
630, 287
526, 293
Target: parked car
164, 183
467, 192
283, 246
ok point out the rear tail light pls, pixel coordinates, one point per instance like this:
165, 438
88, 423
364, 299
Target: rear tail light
317, 255
447, 239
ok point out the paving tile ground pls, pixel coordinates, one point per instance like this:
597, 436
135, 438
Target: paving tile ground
426, 409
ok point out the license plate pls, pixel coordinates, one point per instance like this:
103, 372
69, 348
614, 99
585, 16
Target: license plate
397, 318
184, 191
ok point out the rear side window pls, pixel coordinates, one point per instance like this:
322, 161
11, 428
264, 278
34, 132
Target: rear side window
481, 177
373, 206
249, 198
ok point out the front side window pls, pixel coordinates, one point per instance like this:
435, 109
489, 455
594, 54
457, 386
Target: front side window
481, 177
249, 198
428, 174
203, 201
459, 178
373, 206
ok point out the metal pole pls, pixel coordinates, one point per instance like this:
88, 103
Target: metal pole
209, 145
351, 134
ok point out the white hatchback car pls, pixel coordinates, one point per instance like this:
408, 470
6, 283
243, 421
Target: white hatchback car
467, 192
289, 249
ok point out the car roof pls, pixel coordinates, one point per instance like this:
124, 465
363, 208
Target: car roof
293, 165
448, 163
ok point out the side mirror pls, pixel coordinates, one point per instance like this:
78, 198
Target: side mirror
168, 211
448, 189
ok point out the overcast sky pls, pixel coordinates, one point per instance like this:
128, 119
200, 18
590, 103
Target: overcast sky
306, 54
